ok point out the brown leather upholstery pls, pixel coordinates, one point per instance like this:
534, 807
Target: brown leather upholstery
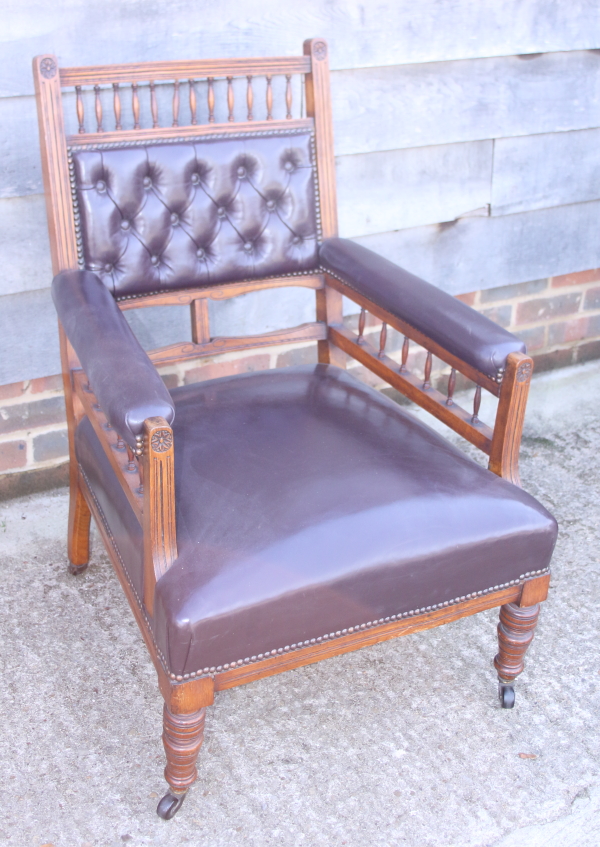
184, 214
308, 503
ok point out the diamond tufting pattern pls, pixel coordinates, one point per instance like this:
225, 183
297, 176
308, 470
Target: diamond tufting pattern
191, 213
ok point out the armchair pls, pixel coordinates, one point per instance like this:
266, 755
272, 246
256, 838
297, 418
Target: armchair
262, 522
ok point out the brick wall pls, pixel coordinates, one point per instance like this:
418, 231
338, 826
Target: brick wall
558, 318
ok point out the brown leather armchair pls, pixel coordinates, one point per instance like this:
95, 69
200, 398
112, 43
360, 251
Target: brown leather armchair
266, 521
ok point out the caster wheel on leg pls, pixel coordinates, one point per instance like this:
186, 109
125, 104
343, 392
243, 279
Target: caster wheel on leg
77, 569
506, 695
169, 805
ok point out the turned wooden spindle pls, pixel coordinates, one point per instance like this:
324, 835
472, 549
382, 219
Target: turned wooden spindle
211, 100
176, 103
193, 118
120, 443
117, 105
98, 105
131, 465
427, 374
182, 739
153, 105
250, 97
515, 634
451, 387
80, 112
269, 99
361, 325
405, 348
135, 105
382, 340
230, 100
476, 404
288, 96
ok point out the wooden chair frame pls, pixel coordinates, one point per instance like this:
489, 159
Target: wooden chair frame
146, 473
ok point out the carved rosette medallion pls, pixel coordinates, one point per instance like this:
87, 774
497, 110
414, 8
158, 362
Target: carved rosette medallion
320, 50
162, 440
524, 372
48, 68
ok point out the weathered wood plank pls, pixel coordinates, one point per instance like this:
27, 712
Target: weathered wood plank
438, 103
360, 34
539, 171
24, 246
395, 189
476, 253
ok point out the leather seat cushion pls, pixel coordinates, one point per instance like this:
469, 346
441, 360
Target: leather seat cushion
308, 503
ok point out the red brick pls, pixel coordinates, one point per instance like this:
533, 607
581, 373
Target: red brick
592, 299
13, 454
501, 315
544, 308
13, 389
590, 350
170, 380
51, 445
555, 359
509, 292
580, 278
534, 338
219, 369
31, 415
46, 383
299, 356
565, 331
469, 298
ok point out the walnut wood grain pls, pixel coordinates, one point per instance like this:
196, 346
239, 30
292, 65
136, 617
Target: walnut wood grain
414, 334
200, 321
78, 539
535, 591
146, 71
160, 535
515, 634
330, 311
184, 297
188, 350
412, 387
182, 739
510, 416
318, 106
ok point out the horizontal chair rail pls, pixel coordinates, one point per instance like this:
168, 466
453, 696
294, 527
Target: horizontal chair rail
162, 133
153, 71
190, 350
411, 386
415, 335
185, 297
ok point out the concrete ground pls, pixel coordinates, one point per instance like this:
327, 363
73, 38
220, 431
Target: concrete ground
399, 744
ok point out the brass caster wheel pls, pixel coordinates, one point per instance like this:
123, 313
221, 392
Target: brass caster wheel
506, 695
170, 805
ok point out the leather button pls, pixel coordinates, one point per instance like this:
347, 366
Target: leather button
195, 179
221, 212
200, 253
125, 225
154, 260
241, 172
147, 182
100, 186
296, 239
289, 166
108, 268
174, 219
248, 246
270, 205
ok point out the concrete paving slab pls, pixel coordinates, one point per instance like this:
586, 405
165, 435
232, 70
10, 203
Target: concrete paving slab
400, 744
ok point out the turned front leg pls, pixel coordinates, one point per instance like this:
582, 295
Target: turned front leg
182, 738
515, 634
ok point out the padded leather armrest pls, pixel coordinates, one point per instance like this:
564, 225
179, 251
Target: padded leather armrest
456, 327
121, 375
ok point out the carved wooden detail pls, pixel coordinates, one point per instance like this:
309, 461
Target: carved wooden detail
48, 67
515, 634
182, 739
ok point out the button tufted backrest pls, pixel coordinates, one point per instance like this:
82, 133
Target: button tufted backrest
193, 212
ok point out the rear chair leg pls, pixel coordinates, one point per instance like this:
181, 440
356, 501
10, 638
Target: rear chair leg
182, 739
79, 531
515, 634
